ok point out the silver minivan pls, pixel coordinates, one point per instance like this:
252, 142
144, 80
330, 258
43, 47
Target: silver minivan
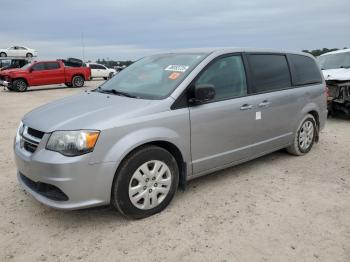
167, 119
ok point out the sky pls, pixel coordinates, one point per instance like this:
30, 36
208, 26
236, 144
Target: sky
122, 30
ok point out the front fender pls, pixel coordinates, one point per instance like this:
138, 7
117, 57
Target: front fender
129, 142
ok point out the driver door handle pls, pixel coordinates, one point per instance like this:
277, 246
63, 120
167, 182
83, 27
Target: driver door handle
264, 103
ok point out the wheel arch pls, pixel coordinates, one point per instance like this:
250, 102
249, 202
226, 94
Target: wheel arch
124, 148
77, 74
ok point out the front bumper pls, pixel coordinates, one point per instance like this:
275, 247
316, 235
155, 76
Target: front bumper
83, 184
4, 83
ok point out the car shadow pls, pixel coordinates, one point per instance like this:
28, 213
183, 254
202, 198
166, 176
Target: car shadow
108, 215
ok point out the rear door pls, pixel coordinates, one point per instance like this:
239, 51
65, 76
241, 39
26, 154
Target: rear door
222, 130
276, 104
101, 71
54, 73
22, 51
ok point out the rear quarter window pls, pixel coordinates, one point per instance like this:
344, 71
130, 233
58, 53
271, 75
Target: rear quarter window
304, 70
52, 65
269, 72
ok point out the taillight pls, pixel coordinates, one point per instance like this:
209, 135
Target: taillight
326, 92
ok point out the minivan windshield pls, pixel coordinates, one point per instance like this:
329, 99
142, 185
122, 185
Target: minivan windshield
153, 77
334, 61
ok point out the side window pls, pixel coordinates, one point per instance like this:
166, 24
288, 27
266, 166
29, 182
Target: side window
269, 72
92, 66
52, 65
38, 67
227, 74
100, 67
304, 70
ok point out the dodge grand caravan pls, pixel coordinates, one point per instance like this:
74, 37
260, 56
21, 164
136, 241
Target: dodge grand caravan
167, 119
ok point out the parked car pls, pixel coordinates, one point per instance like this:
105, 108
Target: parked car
101, 71
336, 70
167, 119
13, 63
44, 73
18, 51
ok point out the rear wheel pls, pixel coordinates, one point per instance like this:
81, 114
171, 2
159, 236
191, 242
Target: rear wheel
304, 137
78, 81
2, 54
19, 85
145, 183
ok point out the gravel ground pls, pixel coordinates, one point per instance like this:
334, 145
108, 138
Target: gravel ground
276, 208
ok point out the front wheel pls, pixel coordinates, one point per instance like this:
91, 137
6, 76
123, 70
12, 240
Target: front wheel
145, 182
305, 136
29, 55
19, 85
78, 81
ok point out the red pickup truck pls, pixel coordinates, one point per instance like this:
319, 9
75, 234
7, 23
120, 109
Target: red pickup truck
44, 73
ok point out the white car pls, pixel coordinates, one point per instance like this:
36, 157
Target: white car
335, 67
18, 51
101, 71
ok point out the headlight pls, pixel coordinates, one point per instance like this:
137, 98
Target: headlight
19, 132
73, 143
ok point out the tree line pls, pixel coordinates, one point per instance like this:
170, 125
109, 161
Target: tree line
318, 52
113, 63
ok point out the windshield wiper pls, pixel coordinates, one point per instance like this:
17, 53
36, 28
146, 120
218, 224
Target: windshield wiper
115, 92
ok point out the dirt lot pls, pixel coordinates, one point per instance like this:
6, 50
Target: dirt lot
276, 208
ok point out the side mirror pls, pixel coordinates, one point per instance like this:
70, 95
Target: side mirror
203, 93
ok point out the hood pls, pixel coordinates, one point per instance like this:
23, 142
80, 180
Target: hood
8, 71
89, 110
340, 74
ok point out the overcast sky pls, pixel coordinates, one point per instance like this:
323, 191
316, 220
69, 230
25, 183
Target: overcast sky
131, 29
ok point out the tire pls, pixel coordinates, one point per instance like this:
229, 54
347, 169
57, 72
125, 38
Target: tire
78, 81
110, 75
161, 189
105, 78
68, 84
19, 85
29, 55
2, 54
298, 148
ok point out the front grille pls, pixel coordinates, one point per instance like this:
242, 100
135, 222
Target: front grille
35, 133
47, 190
31, 139
29, 146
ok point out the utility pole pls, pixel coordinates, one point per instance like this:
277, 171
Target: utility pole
83, 45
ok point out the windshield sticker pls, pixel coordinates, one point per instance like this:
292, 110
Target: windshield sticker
174, 75
176, 68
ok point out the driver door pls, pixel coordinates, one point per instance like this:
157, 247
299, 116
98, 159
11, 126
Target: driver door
222, 130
